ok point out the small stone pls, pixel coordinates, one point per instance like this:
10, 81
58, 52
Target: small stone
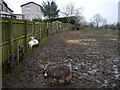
76, 68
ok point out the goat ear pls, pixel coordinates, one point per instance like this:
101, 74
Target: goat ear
45, 67
42, 66
70, 66
31, 37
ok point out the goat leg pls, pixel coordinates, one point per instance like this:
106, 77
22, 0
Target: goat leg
68, 78
62, 80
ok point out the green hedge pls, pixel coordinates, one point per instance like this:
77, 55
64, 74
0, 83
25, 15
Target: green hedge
63, 20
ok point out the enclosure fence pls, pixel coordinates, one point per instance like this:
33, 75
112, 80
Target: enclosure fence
17, 32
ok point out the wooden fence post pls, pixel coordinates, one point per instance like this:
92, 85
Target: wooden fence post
17, 48
42, 28
10, 35
52, 28
56, 27
50, 25
47, 29
26, 45
33, 33
1, 58
39, 31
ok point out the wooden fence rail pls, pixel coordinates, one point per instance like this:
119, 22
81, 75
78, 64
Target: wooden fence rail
17, 32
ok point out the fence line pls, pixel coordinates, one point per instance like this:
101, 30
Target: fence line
17, 32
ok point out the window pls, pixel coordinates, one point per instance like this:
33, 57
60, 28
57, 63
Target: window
2, 15
37, 16
19, 17
27, 8
1, 7
38, 8
27, 17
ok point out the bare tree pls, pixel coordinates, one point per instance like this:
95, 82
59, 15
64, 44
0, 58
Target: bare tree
92, 24
97, 19
82, 20
69, 10
104, 22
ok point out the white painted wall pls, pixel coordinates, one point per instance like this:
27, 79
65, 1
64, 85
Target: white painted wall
4, 9
119, 11
31, 11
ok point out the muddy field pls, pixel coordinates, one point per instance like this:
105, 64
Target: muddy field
93, 55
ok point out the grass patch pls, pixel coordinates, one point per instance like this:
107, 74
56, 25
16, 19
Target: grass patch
112, 32
44, 39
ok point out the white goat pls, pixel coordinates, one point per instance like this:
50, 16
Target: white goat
33, 42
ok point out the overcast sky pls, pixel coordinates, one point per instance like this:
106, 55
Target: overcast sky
106, 8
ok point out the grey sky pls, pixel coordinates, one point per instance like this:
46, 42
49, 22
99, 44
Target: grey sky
106, 8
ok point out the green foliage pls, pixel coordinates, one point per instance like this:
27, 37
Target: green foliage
49, 9
37, 20
63, 20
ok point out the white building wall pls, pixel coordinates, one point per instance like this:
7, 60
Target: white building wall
119, 11
1, 1
31, 11
4, 9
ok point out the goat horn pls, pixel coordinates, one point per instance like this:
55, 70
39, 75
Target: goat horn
45, 66
70, 65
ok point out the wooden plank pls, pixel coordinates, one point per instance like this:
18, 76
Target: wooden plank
25, 39
10, 35
0, 46
17, 50
47, 29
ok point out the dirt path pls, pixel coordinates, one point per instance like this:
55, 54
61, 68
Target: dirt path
93, 56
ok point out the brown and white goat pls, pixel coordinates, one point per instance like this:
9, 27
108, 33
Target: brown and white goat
58, 73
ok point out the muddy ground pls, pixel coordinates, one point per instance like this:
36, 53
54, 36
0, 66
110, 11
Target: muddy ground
93, 55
